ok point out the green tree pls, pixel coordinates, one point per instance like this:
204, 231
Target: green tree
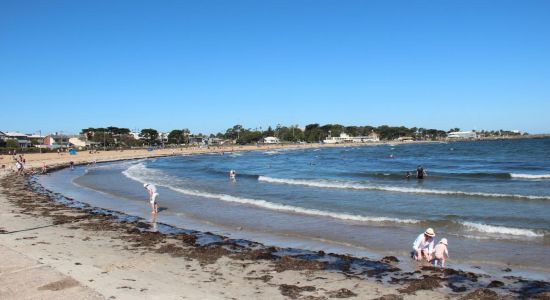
249, 136
313, 133
176, 137
233, 133
149, 135
269, 132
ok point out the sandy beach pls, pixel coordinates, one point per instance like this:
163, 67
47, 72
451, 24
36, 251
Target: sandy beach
50, 250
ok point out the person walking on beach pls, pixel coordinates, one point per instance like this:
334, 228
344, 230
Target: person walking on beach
423, 246
152, 190
19, 167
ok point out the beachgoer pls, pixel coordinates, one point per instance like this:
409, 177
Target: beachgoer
408, 175
423, 246
72, 165
19, 167
420, 173
44, 168
232, 174
440, 252
152, 190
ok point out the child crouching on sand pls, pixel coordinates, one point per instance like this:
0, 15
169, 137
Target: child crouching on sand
440, 252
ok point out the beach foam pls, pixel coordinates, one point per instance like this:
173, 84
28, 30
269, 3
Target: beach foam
530, 176
501, 230
141, 173
361, 186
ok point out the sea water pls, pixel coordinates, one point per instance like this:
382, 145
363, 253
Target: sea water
490, 199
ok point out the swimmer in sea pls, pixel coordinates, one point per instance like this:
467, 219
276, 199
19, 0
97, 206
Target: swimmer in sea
420, 173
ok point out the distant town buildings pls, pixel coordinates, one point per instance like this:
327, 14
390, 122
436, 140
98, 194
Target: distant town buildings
345, 138
22, 140
271, 140
113, 137
462, 135
55, 141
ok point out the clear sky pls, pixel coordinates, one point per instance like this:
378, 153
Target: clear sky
207, 65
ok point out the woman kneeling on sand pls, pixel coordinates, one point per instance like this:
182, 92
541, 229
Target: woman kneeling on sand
423, 246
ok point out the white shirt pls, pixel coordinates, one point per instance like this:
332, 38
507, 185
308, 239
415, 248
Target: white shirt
151, 188
423, 244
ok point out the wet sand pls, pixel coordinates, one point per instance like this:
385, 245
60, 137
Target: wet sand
96, 253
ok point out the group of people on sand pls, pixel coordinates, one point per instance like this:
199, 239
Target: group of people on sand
20, 166
424, 249
20, 162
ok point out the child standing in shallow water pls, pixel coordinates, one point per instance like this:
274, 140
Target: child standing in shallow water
440, 252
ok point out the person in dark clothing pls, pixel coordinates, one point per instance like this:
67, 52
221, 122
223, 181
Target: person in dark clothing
420, 172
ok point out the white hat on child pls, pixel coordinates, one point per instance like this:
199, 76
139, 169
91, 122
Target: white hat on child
443, 241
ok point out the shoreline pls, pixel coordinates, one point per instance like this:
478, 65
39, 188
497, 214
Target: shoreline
426, 278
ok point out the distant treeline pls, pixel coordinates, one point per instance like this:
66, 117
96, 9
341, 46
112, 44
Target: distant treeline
312, 133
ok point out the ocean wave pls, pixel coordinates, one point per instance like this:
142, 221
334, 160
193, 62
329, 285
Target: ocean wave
501, 230
530, 176
141, 173
290, 208
361, 186
431, 175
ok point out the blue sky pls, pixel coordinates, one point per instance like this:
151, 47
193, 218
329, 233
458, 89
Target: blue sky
207, 65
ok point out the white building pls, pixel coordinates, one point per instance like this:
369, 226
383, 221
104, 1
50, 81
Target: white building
271, 140
405, 139
77, 142
345, 138
135, 135
462, 135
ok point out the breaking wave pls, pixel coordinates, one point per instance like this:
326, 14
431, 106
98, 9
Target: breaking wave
361, 186
139, 172
530, 176
501, 230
